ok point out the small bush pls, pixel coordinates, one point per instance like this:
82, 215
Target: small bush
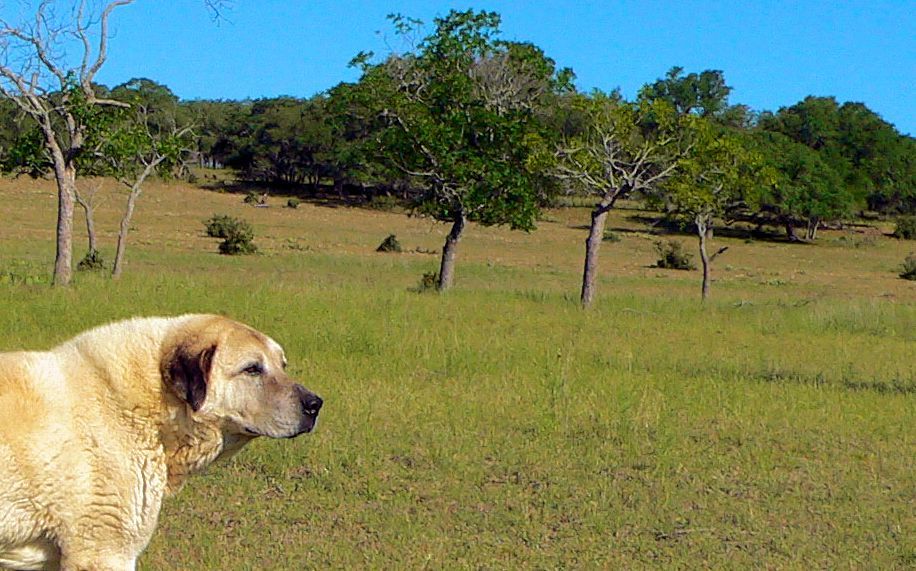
906, 228
252, 198
671, 256
610, 236
220, 225
389, 244
293, 203
385, 203
91, 262
909, 268
429, 282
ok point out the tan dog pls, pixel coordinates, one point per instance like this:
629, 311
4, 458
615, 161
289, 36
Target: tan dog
95, 432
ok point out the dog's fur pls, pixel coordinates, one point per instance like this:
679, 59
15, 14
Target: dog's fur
95, 432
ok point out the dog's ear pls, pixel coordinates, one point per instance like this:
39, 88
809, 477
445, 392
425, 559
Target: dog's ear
186, 370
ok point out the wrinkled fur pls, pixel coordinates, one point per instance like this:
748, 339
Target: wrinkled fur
97, 431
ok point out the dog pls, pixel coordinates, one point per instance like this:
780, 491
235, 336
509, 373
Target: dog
97, 431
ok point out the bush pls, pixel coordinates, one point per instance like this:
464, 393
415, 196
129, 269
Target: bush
610, 236
909, 268
906, 228
220, 225
237, 235
293, 203
671, 256
429, 282
389, 244
252, 198
385, 203
91, 262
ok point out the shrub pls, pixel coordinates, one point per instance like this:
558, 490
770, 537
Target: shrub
293, 203
385, 203
906, 228
237, 246
671, 256
252, 198
389, 244
909, 268
610, 236
237, 235
429, 282
220, 225
91, 262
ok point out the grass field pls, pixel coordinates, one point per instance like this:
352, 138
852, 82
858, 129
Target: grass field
501, 427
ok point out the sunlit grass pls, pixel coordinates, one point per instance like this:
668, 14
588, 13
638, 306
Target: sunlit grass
499, 426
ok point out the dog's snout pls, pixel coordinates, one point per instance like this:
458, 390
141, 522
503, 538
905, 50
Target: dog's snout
311, 403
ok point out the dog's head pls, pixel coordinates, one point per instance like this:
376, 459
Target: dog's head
227, 371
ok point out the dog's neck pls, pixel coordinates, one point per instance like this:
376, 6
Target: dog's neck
191, 444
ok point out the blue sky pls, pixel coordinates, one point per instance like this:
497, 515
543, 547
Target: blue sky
773, 53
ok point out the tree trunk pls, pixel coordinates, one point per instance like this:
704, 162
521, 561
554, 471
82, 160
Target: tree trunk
89, 209
447, 267
65, 177
592, 245
811, 230
339, 186
704, 232
122, 232
790, 231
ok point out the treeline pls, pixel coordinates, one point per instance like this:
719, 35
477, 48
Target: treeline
465, 126
833, 159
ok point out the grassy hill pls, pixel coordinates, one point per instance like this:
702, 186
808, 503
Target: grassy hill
501, 427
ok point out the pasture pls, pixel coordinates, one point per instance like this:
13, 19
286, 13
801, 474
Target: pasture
499, 426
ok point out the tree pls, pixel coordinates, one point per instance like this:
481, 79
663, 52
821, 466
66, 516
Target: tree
718, 175
47, 68
86, 198
804, 188
625, 148
704, 94
456, 117
132, 144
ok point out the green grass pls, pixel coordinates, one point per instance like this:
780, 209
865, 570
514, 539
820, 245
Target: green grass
501, 427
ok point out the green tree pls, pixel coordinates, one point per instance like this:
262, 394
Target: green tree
804, 190
457, 117
130, 144
719, 175
47, 67
704, 94
622, 149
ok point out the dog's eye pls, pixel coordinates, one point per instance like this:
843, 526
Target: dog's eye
255, 370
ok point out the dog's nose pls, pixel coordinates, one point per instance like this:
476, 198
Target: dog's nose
311, 403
